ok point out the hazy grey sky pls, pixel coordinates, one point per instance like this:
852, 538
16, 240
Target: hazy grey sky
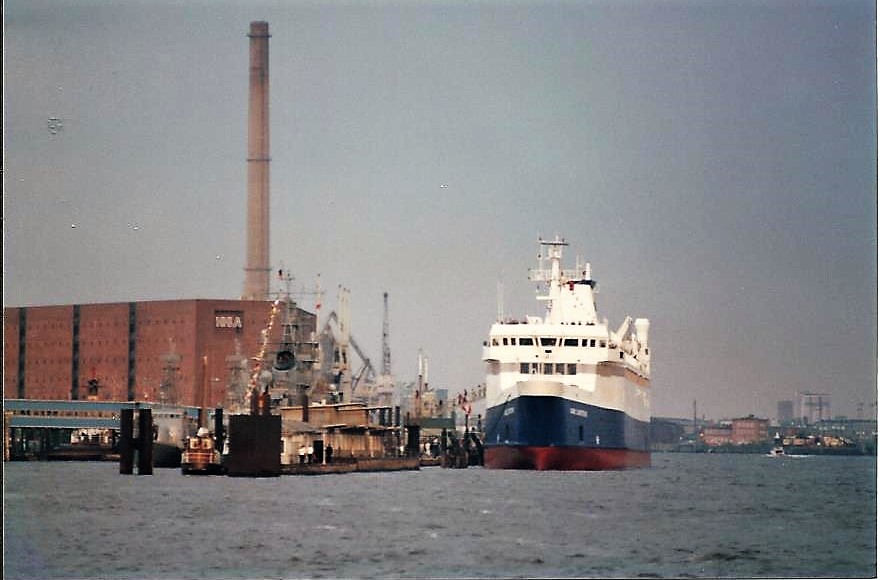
714, 160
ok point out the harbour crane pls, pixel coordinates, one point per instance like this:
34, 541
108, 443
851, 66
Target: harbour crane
345, 379
386, 348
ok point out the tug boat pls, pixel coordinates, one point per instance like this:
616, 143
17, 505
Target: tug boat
565, 392
200, 457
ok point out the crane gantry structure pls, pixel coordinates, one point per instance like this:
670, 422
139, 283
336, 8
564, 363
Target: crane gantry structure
386, 347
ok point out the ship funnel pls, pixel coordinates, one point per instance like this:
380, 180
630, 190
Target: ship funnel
642, 326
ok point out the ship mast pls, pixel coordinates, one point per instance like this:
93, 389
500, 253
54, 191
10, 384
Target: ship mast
569, 293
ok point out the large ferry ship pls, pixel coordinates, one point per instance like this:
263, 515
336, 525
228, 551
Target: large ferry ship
565, 392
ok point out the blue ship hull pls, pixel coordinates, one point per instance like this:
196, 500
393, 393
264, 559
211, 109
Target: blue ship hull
548, 432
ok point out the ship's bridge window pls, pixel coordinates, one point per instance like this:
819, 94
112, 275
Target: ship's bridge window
494, 342
529, 368
592, 342
548, 341
548, 368
504, 341
571, 368
570, 342
560, 368
602, 344
526, 341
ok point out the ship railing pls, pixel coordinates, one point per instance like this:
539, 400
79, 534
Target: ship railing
546, 275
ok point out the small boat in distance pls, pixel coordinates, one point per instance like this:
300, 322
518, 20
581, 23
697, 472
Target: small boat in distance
200, 456
86, 445
777, 450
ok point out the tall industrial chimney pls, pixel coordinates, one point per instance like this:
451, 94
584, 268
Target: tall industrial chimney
256, 269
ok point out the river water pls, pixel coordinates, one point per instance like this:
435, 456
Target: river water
686, 516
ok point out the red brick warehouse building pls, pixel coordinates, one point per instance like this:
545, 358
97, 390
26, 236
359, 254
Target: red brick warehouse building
52, 352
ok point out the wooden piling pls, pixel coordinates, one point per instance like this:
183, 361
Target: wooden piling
126, 442
219, 431
142, 444
412, 440
145, 442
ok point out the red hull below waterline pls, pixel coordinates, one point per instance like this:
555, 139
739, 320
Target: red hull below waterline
564, 458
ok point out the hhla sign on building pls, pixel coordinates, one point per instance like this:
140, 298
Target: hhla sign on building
228, 320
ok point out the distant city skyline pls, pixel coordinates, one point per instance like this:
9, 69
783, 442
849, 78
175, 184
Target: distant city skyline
715, 162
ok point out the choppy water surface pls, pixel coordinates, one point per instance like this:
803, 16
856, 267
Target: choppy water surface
688, 515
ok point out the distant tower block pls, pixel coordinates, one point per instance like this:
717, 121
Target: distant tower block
256, 269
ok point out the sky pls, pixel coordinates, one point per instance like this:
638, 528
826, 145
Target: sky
716, 162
